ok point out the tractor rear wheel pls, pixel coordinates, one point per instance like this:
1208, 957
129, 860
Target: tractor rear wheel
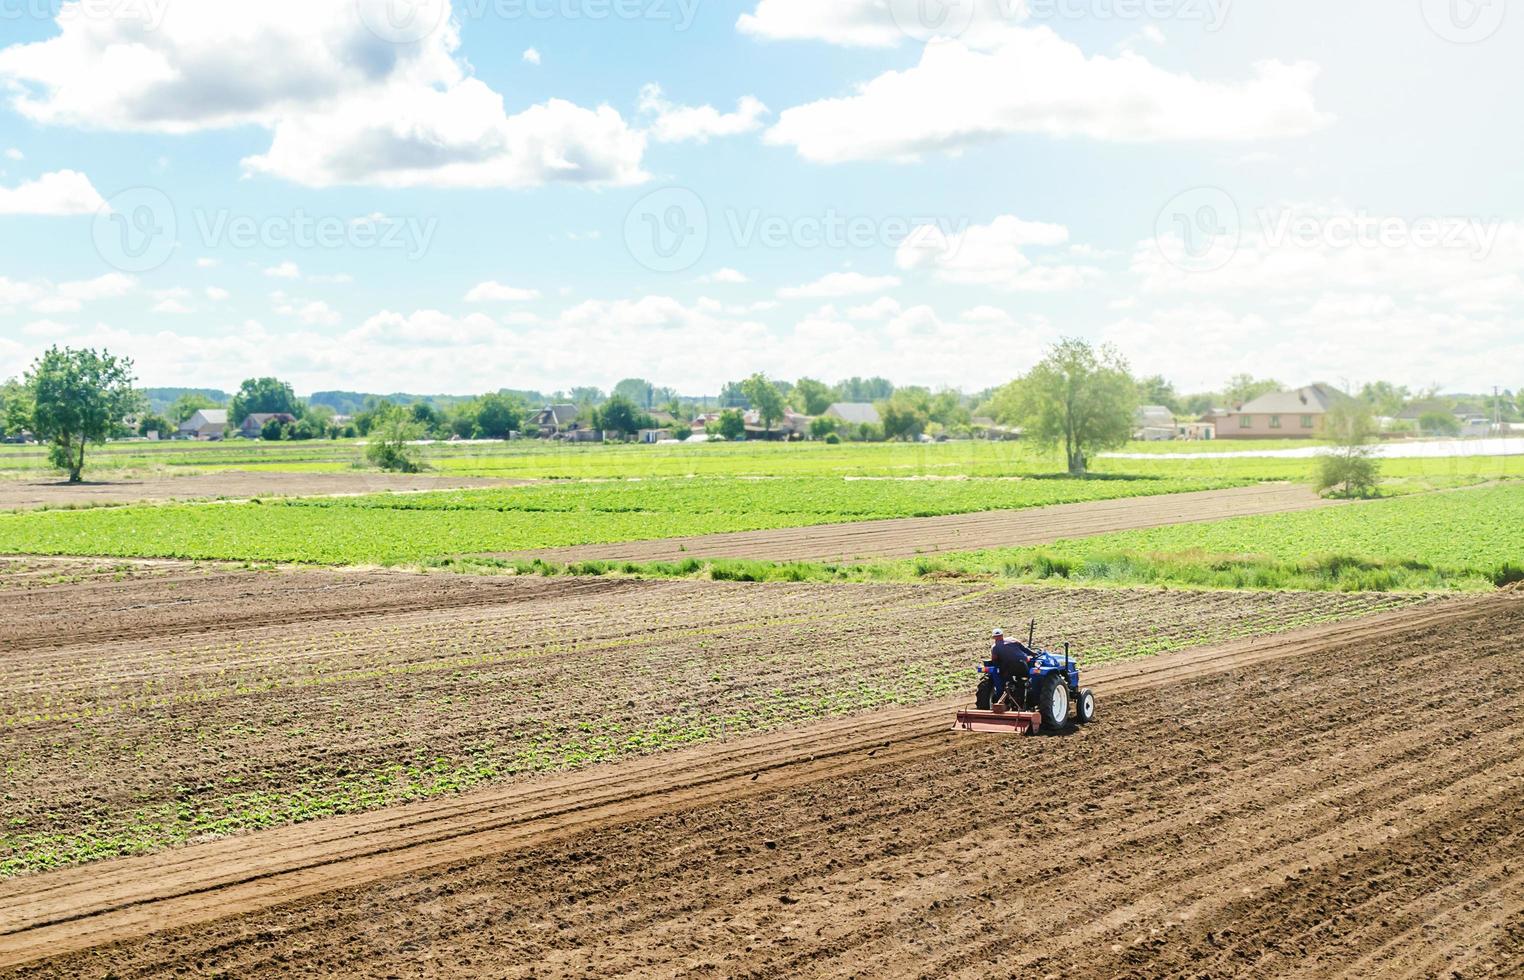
1085, 710
985, 696
1057, 710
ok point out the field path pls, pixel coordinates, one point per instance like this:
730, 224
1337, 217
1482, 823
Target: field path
904, 537
32, 493
1199, 756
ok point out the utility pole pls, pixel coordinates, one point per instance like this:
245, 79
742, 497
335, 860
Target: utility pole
1497, 412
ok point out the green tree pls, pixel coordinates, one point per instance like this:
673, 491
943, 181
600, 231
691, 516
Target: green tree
811, 397
498, 416
905, 414
1078, 397
1349, 467
74, 398
263, 395
765, 399
1157, 391
392, 434
864, 390
731, 424
12, 402
1386, 398
1439, 424
822, 426
156, 423
1244, 388
620, 415
187, 405
637, 391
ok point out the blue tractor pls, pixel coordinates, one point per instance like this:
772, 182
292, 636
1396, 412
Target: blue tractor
1049, 698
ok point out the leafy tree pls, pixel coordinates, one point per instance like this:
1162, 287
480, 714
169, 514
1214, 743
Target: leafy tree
1157, 391
392, 434
1349, 468
74, 398
765, 398
187, 405
947, 408
428, 418
822, 426
1244, 388
864, 390
11, 394
811, 397
274, 430
1386, 398
637, 391
263, 395
732, 395
731, 424
155, 423
587, 396
1439, 424
1077, 397
498, 416
905, 414
620, 415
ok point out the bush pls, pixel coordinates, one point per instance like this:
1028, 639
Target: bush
832, 439
391, 436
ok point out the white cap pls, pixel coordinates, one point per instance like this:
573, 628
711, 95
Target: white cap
998, 632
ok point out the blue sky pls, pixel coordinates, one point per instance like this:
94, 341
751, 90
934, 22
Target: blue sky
414, 195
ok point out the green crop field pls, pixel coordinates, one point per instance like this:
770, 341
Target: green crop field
424, 527
1462, 540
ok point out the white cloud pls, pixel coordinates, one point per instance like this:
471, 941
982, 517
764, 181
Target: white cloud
171, 306
71, 297
725, 276
838, 284
343, 105
531, 56
64, 192
496, 292
1036, 82
880, 309
206, 263
313, 313
993, 255
680, 124
217, 294
14, 154
285, 270
876, 23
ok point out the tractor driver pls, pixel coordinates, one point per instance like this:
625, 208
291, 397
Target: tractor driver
1011, 661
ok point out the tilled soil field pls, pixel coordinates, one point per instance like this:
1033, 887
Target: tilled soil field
32, 494
1309, 805
904, 537
141, 710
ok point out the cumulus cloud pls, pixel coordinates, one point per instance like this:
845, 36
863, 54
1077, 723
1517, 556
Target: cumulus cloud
63, 192
285, 270
313, 313
878, 23
838, 284
993, 255
1033, 81
343, 105
531, 56
496, 292
698, 124
726, 276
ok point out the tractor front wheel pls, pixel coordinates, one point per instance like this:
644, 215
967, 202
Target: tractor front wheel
1085, 709
1055, 706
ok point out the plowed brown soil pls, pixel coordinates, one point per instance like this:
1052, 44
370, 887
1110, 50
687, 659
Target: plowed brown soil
903, 537
31, 494
1336, 802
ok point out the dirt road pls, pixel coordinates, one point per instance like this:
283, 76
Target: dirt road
31, 494
904, 537
1323, 803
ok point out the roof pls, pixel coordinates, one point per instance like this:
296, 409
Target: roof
856, 413
1156, 415
1315, 399
260, 418
560, 414
210, 416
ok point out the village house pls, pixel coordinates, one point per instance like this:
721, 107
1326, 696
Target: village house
1299, 414
207, 424
1154, 423
553, 420
254, 425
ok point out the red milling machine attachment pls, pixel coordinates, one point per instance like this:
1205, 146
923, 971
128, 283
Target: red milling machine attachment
999, 722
